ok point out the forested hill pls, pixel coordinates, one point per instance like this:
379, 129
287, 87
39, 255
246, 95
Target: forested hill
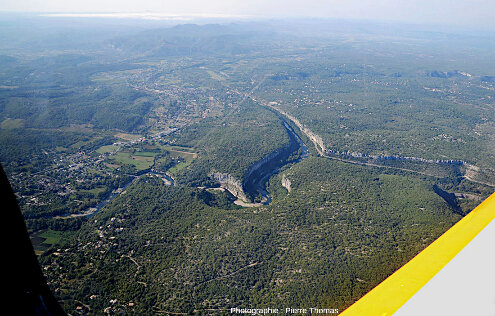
340, 231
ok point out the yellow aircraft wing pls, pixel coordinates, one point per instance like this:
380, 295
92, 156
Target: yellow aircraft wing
387, 297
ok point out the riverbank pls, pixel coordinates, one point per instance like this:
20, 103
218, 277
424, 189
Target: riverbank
112, 195
257, 176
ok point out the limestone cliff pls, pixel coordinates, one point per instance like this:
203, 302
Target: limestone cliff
316, 139
231, 184
286, 183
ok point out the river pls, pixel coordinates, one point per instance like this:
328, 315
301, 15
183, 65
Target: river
112, 195
255, 183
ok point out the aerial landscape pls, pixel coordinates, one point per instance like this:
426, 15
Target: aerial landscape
194, 167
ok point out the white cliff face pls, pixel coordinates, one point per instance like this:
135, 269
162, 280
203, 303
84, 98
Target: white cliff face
252, 180
234, 185
323, 151
231, 184
286, 183
316, 139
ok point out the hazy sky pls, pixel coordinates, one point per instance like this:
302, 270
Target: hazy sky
456, 12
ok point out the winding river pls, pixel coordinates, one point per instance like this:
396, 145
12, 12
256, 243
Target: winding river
112, 195
257, 177
254, 184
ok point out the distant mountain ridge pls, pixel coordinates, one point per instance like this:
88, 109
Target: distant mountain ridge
192, 39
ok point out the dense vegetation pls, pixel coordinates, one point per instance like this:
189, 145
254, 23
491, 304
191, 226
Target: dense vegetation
234, 143
340, 231
109, 134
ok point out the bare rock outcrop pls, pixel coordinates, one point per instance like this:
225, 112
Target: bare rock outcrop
286, 183
315, 138
231, 184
